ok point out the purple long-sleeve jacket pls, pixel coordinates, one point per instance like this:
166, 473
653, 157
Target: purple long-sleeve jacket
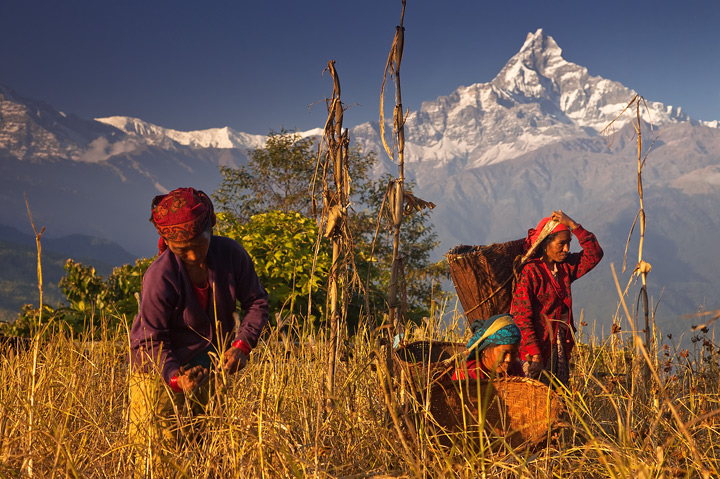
172, 327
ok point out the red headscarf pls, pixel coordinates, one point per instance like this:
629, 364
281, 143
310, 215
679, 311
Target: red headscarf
534, 234
181, 215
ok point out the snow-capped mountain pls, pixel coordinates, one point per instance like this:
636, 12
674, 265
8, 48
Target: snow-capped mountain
33, 131
537, 99
97, 177
495, 157
164, 137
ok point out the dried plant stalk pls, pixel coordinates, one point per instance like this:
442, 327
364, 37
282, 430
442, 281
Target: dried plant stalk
392, 66
642, 268
36, 341
333, 156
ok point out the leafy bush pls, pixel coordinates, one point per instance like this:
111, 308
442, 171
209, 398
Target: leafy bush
93, 301
282, 246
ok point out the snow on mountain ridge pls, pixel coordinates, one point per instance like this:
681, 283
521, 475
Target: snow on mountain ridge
538, 98
590, 101
211, 138
32, 130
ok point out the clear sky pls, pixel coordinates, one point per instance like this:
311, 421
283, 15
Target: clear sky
256, 66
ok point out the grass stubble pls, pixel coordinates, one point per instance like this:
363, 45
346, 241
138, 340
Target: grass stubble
270, 420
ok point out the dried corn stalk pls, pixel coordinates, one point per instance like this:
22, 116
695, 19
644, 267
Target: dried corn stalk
642, 269
396, 189
333, 160
399, 201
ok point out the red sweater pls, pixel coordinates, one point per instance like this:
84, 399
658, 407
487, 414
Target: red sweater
475, 370
539, 299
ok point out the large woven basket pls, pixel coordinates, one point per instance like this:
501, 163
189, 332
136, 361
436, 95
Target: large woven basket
483, 277
520, 410
424, 362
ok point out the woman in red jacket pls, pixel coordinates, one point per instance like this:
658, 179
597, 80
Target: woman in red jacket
542, 301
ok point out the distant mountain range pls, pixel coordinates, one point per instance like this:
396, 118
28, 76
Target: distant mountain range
102, 253
495, 157
18, 265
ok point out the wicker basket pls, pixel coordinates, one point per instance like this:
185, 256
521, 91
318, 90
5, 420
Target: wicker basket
520, 410
424, 362
483, 277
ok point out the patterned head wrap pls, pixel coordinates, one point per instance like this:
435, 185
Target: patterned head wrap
181, 215
500, 329
534, 234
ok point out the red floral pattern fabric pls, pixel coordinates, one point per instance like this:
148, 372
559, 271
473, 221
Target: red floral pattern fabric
541, 301
182, 214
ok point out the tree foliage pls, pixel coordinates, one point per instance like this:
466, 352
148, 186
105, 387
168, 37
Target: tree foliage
282, 246
279, 177
276, 178
92, 301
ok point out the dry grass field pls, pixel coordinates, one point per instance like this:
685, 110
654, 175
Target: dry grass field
63, 406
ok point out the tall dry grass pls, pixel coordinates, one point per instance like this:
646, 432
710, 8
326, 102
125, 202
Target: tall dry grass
272, 420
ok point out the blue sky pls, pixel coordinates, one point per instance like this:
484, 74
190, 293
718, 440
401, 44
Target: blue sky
257, 66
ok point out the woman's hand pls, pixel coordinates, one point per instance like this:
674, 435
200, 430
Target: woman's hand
191, 378
564, 219
234, 359
535, 366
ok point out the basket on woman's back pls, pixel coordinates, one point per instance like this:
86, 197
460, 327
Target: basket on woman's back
483, 277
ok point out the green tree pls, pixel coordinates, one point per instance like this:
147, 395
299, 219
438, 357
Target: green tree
280, 177
277, 177
91, 301
282, 246
418, 240
114, 297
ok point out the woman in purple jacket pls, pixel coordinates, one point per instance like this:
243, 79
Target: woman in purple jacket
186, 316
